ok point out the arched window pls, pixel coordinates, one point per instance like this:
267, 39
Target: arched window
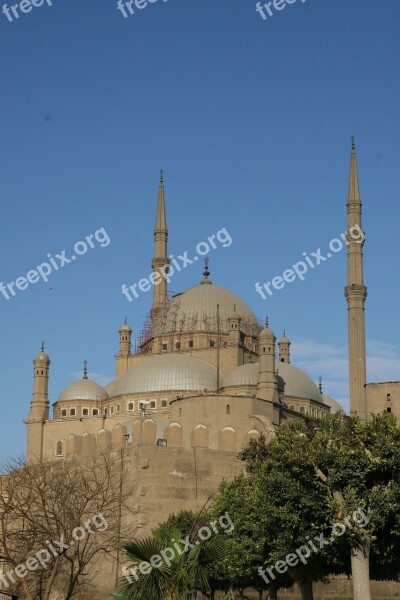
59, 449
130, 406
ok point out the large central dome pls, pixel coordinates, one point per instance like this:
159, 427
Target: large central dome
196, 310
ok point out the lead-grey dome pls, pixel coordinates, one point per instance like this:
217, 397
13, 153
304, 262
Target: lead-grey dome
110, 387
196, 310
294, 382
246, 375
177, 372
333, 404
291, 380
83, 389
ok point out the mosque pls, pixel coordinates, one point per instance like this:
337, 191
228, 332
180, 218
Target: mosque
206, 377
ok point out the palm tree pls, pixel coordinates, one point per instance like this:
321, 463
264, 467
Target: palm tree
179, 577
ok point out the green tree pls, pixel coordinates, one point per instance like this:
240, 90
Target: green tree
286, 506
247, 542
359, 465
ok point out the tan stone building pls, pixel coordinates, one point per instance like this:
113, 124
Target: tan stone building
205, 375
205, 379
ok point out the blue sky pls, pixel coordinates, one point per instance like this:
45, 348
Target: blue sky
251, 121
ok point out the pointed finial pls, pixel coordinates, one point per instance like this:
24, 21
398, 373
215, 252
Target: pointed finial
284, 333
320, 383
162, 176
85, 369
206, 272
126, 320
353, 143
42, 347
266, 322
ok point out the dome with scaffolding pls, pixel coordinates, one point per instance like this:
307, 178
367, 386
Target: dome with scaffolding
205, 308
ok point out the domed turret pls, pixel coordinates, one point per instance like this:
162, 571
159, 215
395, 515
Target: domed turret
284, 349
125, 335
267, 388
40, 399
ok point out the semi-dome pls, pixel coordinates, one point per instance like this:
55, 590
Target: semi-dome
83, 389
291, 380
333, 404
167, 372
246, 375
110, 387
196, 310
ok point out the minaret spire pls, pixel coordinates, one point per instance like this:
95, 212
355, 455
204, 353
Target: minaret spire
356, 294
160, 262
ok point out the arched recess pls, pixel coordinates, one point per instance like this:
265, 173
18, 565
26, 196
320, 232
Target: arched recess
88, 447
119, 440
200, 436
73, 445
175, 435
149, 432
253, 434
227, 439
103, 440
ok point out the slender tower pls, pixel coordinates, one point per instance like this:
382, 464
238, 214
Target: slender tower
39, 412
160, 260
284, 349
356, 294
267, 388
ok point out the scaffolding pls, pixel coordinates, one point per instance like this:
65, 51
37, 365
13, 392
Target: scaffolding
170, 321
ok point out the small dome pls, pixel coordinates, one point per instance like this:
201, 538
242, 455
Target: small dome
126, 327
267, 333
83, 389
110, 387
167, 372
42, 356
333, 404
294, 382
284, 340
291, 380
246, 375
196, 310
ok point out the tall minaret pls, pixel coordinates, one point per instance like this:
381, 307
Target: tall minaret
356, 294
39, 412
267, 388
160, 260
